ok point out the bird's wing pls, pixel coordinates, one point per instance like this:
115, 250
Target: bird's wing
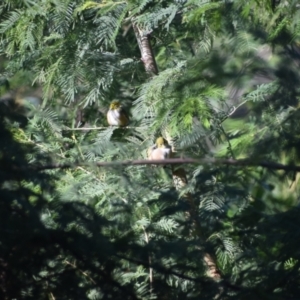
124, 116
167, 152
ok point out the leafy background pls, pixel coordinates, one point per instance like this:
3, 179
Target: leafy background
227, 89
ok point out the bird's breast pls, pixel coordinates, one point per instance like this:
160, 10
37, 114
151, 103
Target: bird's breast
160, 153
114, 117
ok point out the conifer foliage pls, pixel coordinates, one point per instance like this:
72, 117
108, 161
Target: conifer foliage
82, 217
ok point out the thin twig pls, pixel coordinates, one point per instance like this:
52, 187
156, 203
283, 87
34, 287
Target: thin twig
52, 297
84, 273
228, 141
150, 262
234, 109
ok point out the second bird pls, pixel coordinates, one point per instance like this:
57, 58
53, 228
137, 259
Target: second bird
161, 150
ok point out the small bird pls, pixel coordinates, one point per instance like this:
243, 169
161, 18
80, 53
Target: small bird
161, 150
116, 115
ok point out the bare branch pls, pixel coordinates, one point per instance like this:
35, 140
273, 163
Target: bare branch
171, 161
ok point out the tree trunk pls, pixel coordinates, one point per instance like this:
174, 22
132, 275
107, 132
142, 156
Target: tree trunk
147, 58
178, 174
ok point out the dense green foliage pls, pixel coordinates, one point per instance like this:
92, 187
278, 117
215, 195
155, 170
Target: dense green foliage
228, 88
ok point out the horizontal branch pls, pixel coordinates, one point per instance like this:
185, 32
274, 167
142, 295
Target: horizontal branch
172, 161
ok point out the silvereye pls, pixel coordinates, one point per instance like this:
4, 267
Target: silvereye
116, 115
161, 150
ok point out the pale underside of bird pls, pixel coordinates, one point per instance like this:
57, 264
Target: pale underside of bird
117, 117
155, 153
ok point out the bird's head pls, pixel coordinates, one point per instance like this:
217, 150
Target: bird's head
161, 142
115, 105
